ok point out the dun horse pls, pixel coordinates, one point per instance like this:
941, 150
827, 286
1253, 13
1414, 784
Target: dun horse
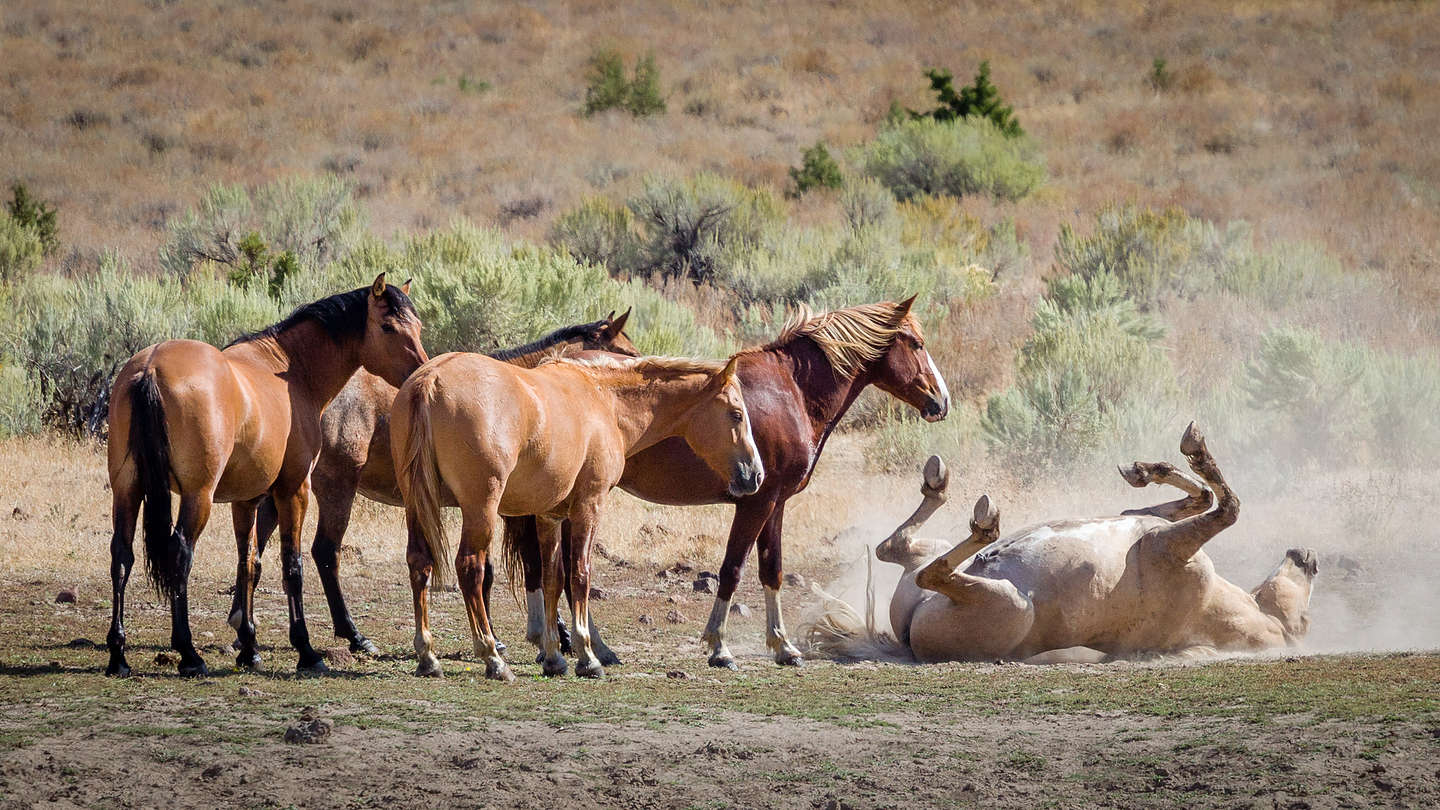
497, 440
355, 457
233, 426
797, 389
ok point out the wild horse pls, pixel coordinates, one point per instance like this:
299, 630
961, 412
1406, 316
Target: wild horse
235, 426
355, 458
551, 442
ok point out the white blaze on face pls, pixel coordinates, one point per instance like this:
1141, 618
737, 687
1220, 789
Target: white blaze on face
940, 381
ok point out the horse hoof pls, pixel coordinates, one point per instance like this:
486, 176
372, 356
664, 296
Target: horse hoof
497, 670
429, 669
313, 669
589, 669
194, 669
251, 661
554, 668
361, 644
790, 660
117, 669
724, 662
609, 658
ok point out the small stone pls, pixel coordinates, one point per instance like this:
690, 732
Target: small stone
338, 656
165, 659
247, 691
674, 600
310, 732
207, 634
740, 609
645, 619
676, 617
67, 596
795, 580
682, 567
599, 594
709, 585
677, 675
309, 713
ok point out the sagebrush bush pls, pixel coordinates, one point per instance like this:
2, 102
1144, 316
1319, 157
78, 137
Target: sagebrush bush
20, 402
699, 227
599, 232
21, 250
867, 203
315, 219
961, 157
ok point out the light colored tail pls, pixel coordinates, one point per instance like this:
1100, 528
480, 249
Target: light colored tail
420, 478
841, 633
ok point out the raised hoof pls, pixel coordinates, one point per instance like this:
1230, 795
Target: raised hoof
498, 670
361, 644
986, 516
117, 669
1193, 442
429, 668
609, 658
1134, 475
589, 669
312, 669
251, 661
194, 669
554, 668
724, 662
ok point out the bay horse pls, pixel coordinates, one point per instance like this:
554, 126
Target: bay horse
551, 441
355, 458
232, 426
797, 389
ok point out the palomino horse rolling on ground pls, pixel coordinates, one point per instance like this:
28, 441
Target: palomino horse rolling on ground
234, 426
797, 388
497, 440
355, 458
1134, 584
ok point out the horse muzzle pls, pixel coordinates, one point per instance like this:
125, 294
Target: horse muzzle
746, 478
936, 409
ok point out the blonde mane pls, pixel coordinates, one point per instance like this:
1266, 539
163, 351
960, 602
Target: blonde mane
849, 337
663, 367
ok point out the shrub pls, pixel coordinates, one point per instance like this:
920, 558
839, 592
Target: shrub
20, 402
21, 250
607, 87
1160, 78
967, 156
698, 228
868, 204
316, 220
598, 232
979, 100
35, 216
817, 170
1315, 388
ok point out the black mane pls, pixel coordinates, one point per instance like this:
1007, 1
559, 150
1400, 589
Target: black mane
565, 334
341, 315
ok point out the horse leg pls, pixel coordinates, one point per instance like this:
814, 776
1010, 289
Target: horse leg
984, 530
479, 529
193, 515
606, 655
265, 523
1182, 539
583, 518
750, 517
901, 547
242, 614
290, 508
548, 536
126, 509
486, 586
422, 567
527, 542
334, 496
770, 578
1198, 496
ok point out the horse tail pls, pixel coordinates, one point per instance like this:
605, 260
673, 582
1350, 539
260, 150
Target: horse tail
421, 478
840, 632
511, 555
165, 560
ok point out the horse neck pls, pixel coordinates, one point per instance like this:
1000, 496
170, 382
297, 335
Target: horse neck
317, 362
649, 410
530, 354
827, 394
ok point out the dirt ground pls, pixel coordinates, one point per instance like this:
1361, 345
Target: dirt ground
1295, 729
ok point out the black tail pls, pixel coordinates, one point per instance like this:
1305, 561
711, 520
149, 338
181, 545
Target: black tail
512, 554
150, 446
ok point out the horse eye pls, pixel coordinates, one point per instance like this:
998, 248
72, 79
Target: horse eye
388, 328
737, 417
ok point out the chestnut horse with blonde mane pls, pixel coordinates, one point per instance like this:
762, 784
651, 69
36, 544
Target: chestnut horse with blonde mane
355, 459
797, 388
497, 440
235, 426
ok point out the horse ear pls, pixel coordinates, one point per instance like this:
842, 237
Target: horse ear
611, 316
617, 325
728, 373
903, 308
405, 288
378, 288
